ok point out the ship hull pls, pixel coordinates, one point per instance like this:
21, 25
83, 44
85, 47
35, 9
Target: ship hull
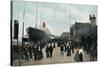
37, 35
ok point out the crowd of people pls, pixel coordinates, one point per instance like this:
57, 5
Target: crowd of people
64, 46
67, 47
49, 51
32, 52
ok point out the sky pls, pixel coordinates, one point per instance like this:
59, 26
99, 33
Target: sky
59, 17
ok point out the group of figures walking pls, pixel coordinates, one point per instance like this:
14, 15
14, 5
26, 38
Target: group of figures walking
67, 48
30, 52
49, 51
79, 55
35, 51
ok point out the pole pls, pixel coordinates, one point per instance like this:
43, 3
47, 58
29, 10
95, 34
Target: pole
18, 47
69, 19
11, 57
22, 33
18, 53
36, 15
23, 25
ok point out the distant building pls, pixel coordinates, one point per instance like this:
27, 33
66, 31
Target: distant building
80, 29
65, 35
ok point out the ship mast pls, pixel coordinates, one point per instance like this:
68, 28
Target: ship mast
41, 17
36, 15
69, 18
23, 25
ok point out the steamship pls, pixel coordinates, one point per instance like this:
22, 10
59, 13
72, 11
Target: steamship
38, 34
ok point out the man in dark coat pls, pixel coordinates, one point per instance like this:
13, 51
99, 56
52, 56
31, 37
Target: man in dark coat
81, 57
69, 49
35, 50
54, 45
72, 47
62, 49
47, 51
30, 51
65, 46
40, 53
51, 50
26, 54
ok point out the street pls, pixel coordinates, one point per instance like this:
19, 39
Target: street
57, 58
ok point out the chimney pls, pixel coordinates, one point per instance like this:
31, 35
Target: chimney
90, 17
44, 25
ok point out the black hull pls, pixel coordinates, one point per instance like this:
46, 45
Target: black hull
37, 35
